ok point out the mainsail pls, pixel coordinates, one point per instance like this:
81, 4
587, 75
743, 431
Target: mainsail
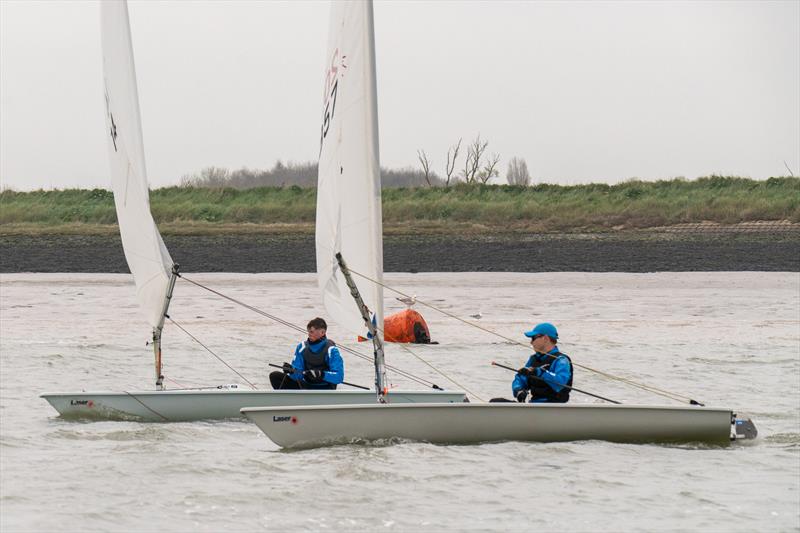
148, 258
349, 190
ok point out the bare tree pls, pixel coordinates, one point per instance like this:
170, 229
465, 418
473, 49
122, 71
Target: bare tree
518, 172
467, 164
450, 165
489, 169
473, 162
426, 166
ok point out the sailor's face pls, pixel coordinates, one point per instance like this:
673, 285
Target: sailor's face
539, 343
315, 334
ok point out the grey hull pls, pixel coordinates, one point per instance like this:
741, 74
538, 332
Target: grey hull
187, 405
466, 423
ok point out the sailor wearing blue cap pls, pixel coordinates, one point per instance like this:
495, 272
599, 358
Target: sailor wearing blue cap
548, 372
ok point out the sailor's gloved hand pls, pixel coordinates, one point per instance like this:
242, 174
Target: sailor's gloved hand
525, 371
522, 395
313, 376
287, 368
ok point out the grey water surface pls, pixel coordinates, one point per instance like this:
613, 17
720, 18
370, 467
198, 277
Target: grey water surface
728, 339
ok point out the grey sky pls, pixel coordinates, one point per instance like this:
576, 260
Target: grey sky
600, 91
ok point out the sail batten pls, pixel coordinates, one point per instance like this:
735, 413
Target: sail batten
348, 188
147, 256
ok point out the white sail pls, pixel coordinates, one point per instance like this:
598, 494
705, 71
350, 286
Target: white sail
148, 258
349, 190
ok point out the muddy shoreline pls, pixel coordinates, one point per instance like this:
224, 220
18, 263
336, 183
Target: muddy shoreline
612, 252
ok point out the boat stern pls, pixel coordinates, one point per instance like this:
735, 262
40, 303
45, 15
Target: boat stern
742, 428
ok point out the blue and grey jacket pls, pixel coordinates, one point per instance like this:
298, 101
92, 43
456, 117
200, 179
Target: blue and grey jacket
333, 368
555, 370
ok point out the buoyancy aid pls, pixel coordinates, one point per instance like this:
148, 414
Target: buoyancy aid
316, 360
540, 389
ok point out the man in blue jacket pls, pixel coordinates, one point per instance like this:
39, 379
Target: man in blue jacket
548, 373
317, 362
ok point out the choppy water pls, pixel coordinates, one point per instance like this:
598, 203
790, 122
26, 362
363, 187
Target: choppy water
728, 339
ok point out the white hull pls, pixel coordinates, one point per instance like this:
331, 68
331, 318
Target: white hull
187, 405
466, 423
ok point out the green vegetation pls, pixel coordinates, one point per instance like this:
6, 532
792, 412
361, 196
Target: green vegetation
474, 207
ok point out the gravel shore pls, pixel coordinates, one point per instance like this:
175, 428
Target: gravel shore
611, 252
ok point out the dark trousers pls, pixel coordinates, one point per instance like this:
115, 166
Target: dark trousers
281, 381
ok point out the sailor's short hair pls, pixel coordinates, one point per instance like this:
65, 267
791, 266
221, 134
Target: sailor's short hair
317, 323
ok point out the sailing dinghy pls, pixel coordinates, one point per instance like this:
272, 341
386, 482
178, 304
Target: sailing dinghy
472, 423
155, 273
455, 423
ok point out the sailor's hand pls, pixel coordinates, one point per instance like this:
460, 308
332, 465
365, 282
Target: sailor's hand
313, 376
287, 368
526, 371
522, 395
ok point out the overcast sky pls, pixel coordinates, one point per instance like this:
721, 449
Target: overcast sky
596, 91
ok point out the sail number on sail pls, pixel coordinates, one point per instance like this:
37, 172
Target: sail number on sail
331, 88
113, 127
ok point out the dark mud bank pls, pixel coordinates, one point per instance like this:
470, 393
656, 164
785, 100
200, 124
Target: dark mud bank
503, 253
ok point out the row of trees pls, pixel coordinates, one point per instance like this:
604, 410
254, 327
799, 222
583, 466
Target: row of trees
477, 167
286, 175
300, 174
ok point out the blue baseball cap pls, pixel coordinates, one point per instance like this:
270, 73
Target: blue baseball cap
545, 328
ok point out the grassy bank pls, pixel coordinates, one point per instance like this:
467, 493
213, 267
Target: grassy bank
541, 208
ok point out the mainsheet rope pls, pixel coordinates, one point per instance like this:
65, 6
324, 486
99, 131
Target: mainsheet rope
649, 388
347, 349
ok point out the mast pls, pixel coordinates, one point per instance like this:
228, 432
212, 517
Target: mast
380, 368
160, 326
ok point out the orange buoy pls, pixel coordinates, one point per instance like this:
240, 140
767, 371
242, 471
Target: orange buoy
405, 326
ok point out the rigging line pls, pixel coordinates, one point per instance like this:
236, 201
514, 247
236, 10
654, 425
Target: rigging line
181, 385
643, 386
212, 353
441, 373
147, 406
412, 377
649, 388
403, 373
246, 306
456, 383
206, 387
